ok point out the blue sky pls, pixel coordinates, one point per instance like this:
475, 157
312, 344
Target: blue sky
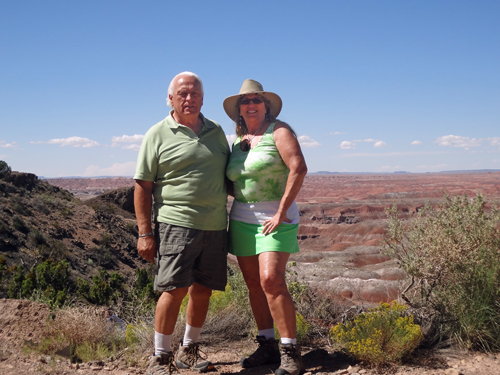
369, 86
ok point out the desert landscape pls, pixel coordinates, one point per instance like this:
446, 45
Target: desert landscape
342, 223
342, 228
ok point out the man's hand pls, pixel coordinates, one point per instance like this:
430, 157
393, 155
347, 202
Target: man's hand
146, 246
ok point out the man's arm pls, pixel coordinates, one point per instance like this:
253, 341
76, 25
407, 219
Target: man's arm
143, 202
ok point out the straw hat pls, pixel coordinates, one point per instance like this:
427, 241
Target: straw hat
251, 87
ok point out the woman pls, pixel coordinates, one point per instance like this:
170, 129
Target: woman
267, 169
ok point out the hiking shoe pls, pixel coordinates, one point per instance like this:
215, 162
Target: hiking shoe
291, 361
188, 357
267, 352
162, 364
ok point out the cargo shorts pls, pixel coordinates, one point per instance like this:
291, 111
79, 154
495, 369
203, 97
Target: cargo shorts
185, 256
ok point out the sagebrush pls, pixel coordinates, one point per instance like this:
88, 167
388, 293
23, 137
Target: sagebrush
450, 254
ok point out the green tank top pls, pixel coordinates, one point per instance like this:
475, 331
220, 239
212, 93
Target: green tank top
258, 175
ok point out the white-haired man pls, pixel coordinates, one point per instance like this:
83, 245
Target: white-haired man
181, 168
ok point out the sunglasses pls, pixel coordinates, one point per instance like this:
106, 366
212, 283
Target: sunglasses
245, 145
247, 101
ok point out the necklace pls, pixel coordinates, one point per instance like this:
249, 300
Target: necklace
250, 140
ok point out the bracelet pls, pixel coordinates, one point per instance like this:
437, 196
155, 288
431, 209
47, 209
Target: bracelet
145, 234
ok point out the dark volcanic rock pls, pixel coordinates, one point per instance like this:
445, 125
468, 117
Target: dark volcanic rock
23, 180
122, 197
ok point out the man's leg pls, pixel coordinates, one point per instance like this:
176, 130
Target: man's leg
197, 308
167, 310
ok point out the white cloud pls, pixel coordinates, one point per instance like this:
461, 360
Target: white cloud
346, 145
134, 147
4, 144
390, 168
136, 138
132, 142
351, 144
72, 141
416, 143
307, 142
231, 138
337, 133
495, 141
458, 141
383, 154
437, 166
117, 169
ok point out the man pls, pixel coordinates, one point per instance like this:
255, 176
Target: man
182, 164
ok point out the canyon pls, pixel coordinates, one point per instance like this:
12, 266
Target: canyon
343, 223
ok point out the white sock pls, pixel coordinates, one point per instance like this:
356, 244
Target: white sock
162, 343
287, 341
267, 333
191, 334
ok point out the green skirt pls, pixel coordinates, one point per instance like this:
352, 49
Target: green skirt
247, 239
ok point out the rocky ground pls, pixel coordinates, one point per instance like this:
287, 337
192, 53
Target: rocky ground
22, 322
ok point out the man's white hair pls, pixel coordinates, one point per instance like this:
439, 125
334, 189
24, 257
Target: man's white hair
171, 86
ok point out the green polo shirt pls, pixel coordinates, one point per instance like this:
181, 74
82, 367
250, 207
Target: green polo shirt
188, 171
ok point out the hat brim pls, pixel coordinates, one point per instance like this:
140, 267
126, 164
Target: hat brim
230, 104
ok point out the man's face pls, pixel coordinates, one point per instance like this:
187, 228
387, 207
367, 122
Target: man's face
187, 97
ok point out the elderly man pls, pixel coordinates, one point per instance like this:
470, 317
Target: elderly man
182, 165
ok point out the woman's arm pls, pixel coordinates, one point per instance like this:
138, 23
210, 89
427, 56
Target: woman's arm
290, 152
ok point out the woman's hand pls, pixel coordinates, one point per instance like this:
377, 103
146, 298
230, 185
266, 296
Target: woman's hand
272, 224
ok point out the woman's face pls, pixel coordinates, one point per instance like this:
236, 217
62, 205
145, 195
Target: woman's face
252, 112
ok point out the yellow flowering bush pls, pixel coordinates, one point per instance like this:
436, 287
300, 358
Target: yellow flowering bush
382, 335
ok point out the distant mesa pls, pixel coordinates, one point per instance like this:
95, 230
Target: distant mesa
324, 172
401, 172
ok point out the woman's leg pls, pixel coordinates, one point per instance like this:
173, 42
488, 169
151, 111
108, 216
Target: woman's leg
272, 268
249, 266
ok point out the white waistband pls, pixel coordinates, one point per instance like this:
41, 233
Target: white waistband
258, 212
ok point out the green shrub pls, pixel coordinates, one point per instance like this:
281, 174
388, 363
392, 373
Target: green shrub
15, 286
450, 254
131, 335
87, 351
4, 228
381, 335
103, 289
22, 209
19, 224
66, 212
37, 238
46, 283
5, 170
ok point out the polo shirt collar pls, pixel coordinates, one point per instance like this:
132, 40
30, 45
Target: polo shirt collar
174, 124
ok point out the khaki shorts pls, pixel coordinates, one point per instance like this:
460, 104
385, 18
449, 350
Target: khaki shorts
185, 256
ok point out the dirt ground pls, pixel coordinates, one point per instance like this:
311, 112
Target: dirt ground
23, 321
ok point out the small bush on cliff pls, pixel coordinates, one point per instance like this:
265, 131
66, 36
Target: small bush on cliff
451, 256
47, 282
4, 170
382, 335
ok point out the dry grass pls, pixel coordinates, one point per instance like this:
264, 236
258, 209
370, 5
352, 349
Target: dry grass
80, 325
